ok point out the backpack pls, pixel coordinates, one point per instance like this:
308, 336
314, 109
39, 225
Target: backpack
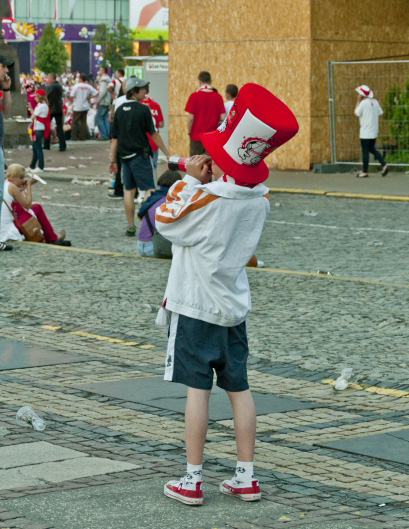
162, 247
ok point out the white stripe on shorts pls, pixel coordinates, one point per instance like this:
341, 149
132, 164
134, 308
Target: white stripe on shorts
170, 351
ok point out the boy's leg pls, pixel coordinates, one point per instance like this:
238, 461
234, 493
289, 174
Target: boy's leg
189, 488
243, 484
244, 413
129, 196
128, 179
196, 422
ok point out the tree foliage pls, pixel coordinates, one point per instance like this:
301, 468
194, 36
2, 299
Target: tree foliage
158, 46
51, 55
396, 112
115, 44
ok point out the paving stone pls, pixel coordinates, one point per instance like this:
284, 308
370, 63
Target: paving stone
18, 355
78, 508
318, 323
156, 392
391, 447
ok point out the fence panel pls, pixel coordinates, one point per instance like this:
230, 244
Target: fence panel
389, 81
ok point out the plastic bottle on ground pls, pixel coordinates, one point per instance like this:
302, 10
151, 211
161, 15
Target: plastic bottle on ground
27, 417
343, 380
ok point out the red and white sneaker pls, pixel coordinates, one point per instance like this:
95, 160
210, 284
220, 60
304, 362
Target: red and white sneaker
186, 492
248, 492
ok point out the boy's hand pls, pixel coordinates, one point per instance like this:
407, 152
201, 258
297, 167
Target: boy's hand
199, 167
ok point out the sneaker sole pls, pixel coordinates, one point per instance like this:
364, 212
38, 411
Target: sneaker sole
183, 499
244, 497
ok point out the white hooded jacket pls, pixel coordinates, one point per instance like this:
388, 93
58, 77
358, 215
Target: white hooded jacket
215, 229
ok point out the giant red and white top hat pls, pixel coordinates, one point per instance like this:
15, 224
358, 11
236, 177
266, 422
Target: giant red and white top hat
257, 124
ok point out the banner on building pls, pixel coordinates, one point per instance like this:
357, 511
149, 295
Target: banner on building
149, 19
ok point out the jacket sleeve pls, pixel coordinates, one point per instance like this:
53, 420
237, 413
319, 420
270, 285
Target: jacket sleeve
102, 90
358, 110
182, 218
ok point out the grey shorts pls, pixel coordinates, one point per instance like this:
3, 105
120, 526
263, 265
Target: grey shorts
196, 349
138, 172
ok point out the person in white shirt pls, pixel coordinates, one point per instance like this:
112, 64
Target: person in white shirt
230, 93
81, 93
115, 86
40, 128
368, 110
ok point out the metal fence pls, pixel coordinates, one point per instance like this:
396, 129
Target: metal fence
389, 81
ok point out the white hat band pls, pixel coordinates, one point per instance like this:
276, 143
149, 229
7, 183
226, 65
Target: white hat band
249, 140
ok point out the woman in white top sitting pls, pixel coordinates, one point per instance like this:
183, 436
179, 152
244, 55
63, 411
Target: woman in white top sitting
40, 116
18, 199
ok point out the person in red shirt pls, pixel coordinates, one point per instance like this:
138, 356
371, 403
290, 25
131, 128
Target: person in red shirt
206, 109
158, 120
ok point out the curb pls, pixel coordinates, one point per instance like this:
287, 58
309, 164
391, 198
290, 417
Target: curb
338, 194
297, 191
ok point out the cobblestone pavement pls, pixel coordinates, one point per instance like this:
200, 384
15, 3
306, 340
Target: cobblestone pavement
97, 302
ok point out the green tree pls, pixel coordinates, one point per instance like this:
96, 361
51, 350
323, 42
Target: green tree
115, 44
396, 112
158, 46
51, 55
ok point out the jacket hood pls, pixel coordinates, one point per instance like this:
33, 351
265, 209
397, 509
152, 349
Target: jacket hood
230, 190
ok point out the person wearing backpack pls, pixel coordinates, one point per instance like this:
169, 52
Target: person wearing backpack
147, 210
104, 101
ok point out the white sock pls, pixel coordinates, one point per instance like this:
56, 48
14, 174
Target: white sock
193, 473
244, 472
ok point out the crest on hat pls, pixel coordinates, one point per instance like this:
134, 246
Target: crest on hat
251, 139
253, 150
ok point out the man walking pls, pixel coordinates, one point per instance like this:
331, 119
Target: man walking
104, 100
132, 123
54, 93
81, 93
5, 105
206, 109
368, 110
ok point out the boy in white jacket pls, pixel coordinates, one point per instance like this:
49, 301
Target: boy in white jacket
215, 228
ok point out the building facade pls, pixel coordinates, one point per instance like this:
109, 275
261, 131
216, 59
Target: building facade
284, 46
75, 23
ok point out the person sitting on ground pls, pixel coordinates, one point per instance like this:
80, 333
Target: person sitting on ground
18, 197
156, 199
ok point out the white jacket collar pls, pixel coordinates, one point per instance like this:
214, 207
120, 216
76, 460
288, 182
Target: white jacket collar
230, 190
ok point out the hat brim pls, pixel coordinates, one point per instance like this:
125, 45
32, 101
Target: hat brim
136, 86
7, 63
251, 174
360, 92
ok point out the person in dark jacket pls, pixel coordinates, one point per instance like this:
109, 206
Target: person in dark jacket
54, 92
